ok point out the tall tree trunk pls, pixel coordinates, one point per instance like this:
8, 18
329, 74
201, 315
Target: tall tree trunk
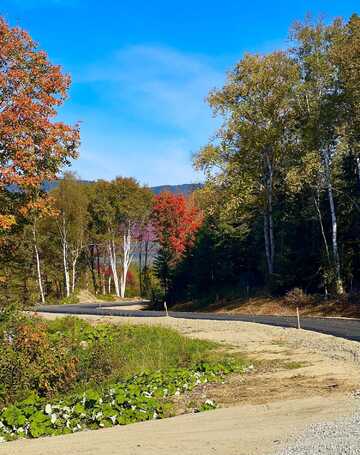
358, 169
98, 265
73, 274
268, 215
317, 206
113, 265
66, 270
146, 253
75, 254
38, 266
140, 270
91, 262
145, 269
335, 251
271, 235
267, 246
127, 257
65, 257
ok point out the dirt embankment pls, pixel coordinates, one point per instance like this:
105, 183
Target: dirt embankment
85, 296
299, 378
311, 306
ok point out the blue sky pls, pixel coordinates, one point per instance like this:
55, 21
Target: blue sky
141, 71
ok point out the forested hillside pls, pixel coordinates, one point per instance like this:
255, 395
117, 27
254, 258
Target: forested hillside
280, 207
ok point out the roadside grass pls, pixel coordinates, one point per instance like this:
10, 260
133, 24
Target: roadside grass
118, 351
65, 375
69, 354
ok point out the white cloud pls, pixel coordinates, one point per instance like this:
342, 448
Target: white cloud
160, 85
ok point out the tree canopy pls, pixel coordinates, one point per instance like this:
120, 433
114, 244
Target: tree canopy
33, 146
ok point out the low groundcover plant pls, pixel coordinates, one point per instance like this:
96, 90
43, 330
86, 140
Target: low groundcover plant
144, 396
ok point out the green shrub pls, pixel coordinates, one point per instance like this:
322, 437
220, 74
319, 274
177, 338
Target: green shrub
297, 297
30, 361
68, 354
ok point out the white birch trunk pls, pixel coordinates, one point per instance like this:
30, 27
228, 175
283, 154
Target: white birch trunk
140, 269
38, 266
317, 206
66, 271
65, 257
75, 254
339, 286
73, 274
358, 168
127, 258
113, 264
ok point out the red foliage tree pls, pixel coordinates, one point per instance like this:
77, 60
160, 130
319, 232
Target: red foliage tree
33, 146
176, 221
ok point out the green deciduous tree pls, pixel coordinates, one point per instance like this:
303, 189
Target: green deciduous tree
71, 202
117, 209
254, 147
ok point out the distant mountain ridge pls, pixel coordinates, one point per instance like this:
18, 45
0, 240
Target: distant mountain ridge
185, 188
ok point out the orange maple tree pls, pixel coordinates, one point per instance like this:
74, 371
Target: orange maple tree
33, 145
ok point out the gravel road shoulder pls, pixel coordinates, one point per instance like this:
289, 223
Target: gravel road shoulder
339, 437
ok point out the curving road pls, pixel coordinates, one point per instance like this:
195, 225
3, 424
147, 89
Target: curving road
344, 328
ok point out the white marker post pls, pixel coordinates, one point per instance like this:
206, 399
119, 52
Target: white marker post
298, 317
166, 310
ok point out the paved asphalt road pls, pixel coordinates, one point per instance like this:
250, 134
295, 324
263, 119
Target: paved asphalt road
344, 328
